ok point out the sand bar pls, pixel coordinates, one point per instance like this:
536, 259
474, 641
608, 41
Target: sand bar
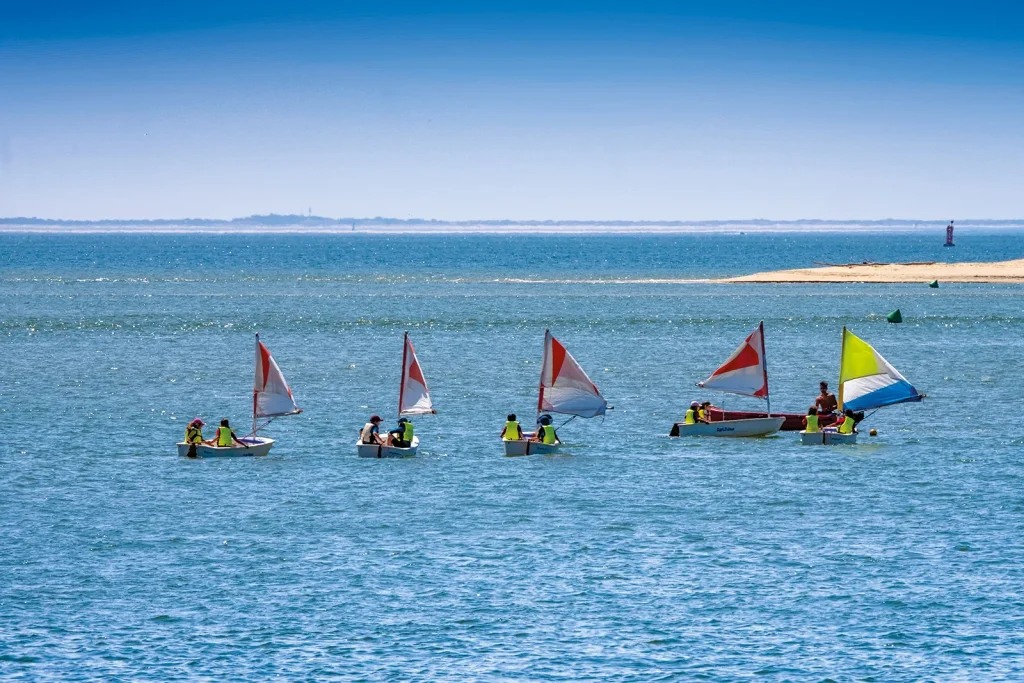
998, 271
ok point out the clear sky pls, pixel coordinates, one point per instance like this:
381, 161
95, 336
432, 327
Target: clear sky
546, 110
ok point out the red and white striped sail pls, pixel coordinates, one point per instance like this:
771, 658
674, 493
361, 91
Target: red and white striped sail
564, 387
745, 372
413, 397
271, 396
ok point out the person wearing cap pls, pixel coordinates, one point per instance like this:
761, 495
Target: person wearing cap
691, 415
401, 436
545, 432
370, 432
226, 436
194, 436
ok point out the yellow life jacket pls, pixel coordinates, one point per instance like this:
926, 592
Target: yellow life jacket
702, 415
407, 434
847, 426
812, 424
224, 437
513, 431
193, 434
691, 417
547, 434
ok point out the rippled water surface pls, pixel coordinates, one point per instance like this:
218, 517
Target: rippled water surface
631, 556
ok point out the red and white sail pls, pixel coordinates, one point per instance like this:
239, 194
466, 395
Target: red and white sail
745, 371
271, 396
564, 387
413, 396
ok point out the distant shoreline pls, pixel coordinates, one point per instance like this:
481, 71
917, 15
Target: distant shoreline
298, 225
893, 273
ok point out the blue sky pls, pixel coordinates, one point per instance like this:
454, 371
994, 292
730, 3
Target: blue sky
607, 110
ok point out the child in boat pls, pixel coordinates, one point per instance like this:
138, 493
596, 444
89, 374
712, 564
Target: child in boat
370, 432
397, 436
226, 436
811, 421
512, 431
545, 432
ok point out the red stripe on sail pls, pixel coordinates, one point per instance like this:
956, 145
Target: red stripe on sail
265, 362
415, 372
557, 358
747, 358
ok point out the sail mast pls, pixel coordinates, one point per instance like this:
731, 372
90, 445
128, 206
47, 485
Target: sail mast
401, 385
255, 392
842, 352
543, 366
764, 366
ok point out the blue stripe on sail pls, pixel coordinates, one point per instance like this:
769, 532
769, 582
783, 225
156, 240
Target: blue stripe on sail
898, 392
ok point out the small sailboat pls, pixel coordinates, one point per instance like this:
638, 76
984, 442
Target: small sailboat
271, 398
564, 389
413, 399
745, 373
866, 382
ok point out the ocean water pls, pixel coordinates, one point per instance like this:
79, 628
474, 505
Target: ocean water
630, 557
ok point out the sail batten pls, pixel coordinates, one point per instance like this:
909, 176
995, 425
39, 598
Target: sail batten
564, 386
867, 380
413, 394
271, 396
745, 372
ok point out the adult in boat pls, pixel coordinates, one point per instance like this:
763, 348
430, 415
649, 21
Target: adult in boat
704, 412
370, 433
545, 432
226, 436
826, 402
194, 436
401, 436
811, 421
512, 431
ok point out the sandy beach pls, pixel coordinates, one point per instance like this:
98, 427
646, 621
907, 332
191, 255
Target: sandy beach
996, 271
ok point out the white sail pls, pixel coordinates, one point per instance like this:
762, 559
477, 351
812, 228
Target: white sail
564, 386
271, 396
745, 371
413, 396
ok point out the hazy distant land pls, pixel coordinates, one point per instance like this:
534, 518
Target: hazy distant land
294, 223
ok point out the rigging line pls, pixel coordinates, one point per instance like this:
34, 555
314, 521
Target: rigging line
568, 421
259, 427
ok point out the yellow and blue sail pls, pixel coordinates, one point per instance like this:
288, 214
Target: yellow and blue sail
867, 381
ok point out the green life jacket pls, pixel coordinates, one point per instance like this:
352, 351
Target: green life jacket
547, 434
224, 437
812, 424
193, 435
513, 431
407, 434
847, 426
691, 417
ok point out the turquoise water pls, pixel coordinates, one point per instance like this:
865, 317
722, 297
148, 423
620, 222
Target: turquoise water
630, 557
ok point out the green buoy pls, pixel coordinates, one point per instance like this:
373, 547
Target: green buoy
895, 316
934, 284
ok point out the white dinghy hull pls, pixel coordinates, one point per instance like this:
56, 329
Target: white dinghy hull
369, 450
517, 447
827, 439
256, 446
755, 426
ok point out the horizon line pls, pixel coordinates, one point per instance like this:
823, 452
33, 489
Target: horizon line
298, 220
